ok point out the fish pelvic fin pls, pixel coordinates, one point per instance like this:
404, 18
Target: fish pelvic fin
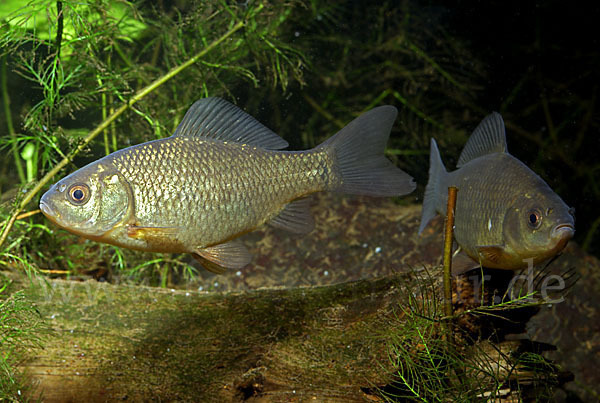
487, 138
208, 265
359, 154
433, 190
228, 255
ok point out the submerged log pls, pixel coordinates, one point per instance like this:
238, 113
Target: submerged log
137, 343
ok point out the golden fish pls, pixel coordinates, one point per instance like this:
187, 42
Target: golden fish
217, 177
506, 215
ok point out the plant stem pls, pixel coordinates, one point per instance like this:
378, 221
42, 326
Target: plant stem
59, 29
9, 124
322, 111
448, 250
28, 214
113, 128
100, 128
104, 116
420, 53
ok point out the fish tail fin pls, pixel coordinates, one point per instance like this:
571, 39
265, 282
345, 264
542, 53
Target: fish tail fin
433, 190
360, 161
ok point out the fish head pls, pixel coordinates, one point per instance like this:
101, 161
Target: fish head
89, 202
538, 227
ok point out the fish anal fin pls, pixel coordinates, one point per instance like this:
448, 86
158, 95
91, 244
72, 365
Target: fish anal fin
295, 217
208, 265
228, 255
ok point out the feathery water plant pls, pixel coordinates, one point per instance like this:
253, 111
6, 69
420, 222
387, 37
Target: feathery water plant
104, 70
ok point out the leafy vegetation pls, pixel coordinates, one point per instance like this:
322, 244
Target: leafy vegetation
437, 361
21, 329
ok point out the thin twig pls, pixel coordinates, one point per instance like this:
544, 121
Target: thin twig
448, 250
99, 129
28, 214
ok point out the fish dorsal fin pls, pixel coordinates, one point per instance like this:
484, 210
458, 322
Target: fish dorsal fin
217, 119
489, 137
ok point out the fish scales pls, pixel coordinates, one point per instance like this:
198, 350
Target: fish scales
217, 189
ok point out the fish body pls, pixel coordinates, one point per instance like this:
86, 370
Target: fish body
219, 176
506, 215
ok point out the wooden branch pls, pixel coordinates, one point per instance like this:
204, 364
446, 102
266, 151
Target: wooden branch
138, 343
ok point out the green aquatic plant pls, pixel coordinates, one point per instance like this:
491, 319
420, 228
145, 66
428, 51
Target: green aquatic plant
28, 154
93, 61
435, 363
21, 329
402, 54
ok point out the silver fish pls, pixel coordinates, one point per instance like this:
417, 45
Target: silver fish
217, 177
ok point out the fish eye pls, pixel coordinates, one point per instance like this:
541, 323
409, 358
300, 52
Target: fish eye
534, 219
79, 194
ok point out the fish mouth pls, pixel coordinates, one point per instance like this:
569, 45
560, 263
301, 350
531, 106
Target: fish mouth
563, 231
49, 213
47, 210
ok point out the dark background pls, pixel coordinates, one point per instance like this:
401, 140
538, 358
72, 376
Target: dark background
551, 49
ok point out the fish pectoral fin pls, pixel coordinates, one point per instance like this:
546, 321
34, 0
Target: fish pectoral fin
137, 232
228, 255
492, 253
295, 217
462, 263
